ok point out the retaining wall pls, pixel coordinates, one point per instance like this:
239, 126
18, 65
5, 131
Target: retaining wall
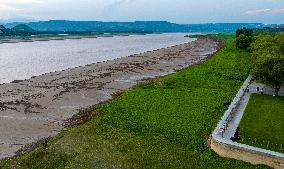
227, 148
247, 153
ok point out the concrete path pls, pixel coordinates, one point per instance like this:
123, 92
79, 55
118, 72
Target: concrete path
238, 110
266, 89
221, 141
233, 116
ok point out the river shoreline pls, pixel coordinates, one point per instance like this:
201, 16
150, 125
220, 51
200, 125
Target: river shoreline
14, 40
39, 107
20, 61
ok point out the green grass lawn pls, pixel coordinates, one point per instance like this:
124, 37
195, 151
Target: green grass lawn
264, 121
163, 123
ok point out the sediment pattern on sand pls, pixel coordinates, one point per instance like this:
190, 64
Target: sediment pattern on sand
39, 107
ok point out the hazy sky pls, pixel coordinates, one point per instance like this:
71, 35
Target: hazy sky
179, 11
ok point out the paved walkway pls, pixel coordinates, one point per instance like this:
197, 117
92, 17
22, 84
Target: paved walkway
266, 90
236, 112
221, 141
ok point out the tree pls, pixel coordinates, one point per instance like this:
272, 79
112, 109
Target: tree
280, 40
244, 38
243, 42
268, 60
244, 31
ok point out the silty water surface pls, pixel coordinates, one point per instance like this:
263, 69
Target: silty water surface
19, 61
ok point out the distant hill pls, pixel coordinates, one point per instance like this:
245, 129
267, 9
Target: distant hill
88, 26
222, 27
2, 29
17, 30
138, 26
22, 28
12, 24
147, 26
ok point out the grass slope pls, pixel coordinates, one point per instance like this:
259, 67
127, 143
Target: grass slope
164, 123
264, 120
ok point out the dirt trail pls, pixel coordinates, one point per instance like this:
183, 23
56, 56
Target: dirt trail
38, 108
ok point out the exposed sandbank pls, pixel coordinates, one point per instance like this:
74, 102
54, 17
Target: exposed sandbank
39, 107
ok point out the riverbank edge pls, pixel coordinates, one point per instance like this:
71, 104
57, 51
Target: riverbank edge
57, 38
86, 114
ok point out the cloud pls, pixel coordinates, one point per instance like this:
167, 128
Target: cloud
28, 1
281, 10
111, 9
6, 7
21, 1
18, 8
118, 3
264, 11
181, 11
18, 4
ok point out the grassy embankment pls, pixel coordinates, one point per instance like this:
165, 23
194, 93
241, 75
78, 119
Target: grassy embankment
263, 121
164, 123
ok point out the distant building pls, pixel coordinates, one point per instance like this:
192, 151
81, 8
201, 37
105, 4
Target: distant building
278, 27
